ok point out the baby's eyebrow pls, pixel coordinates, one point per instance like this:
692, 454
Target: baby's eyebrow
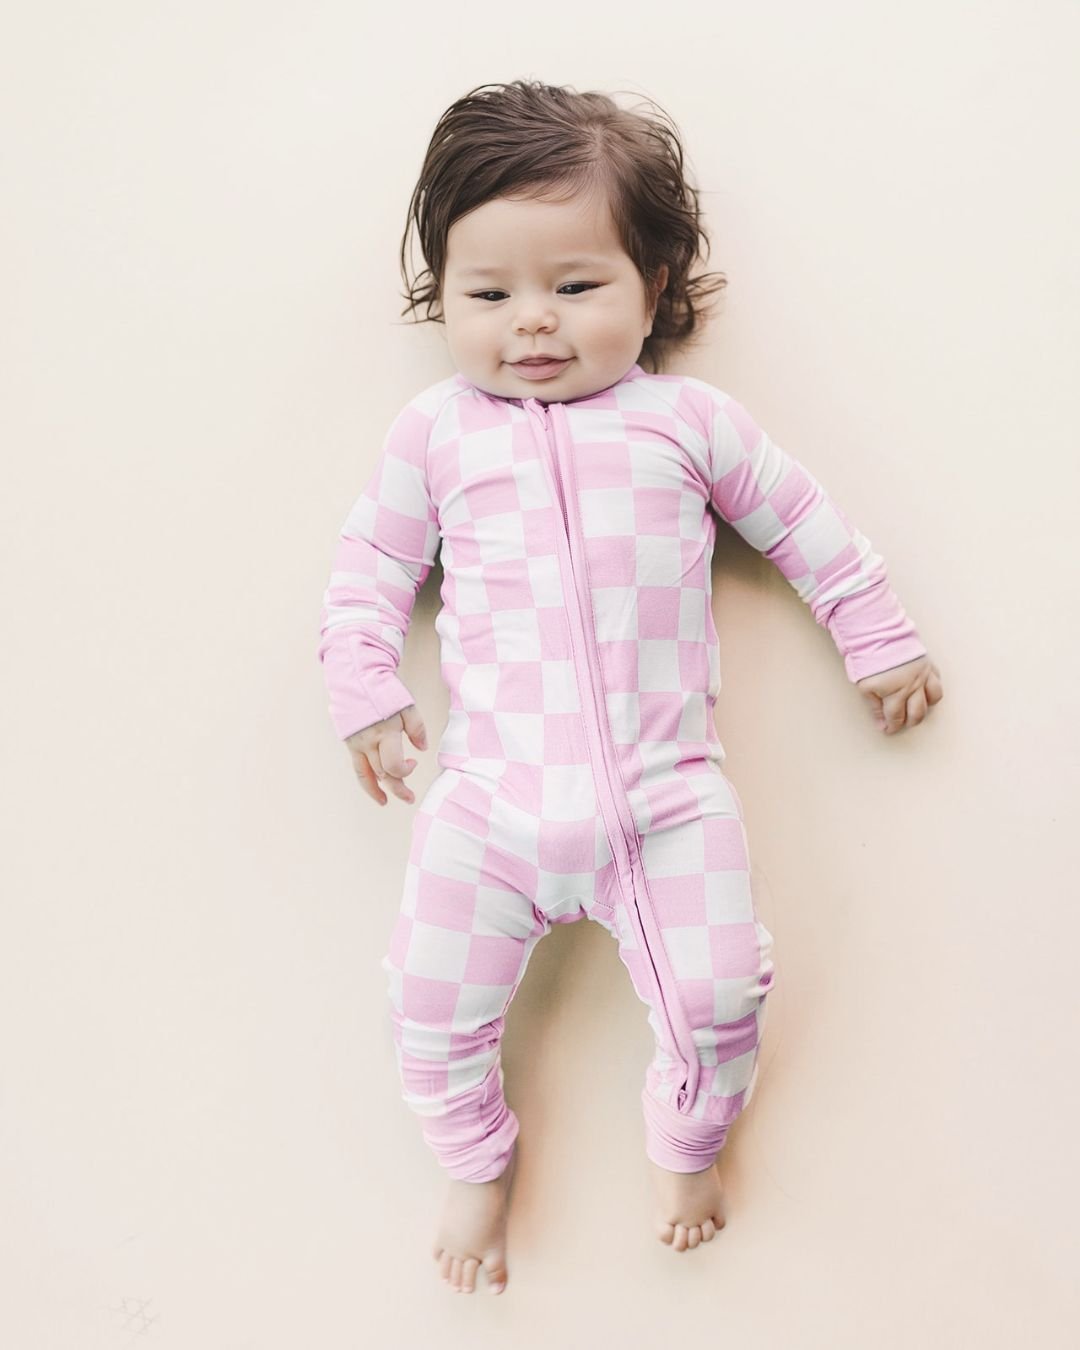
559, 263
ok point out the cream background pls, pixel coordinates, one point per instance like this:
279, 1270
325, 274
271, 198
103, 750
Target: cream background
202, 1139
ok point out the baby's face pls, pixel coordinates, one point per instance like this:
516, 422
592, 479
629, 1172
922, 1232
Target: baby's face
532, 293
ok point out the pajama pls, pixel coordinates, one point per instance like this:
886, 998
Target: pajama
580, 772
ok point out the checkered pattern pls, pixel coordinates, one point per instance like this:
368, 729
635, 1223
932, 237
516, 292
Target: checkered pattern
580, 769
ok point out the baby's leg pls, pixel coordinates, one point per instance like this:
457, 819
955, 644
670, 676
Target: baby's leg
717, 972
458, 952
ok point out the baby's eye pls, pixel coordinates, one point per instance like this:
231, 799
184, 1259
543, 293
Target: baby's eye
587, 285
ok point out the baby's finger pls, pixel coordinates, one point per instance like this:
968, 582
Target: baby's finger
398, 786
916, 707
392, 764
394, 769
894, 712
368, 777
874, 704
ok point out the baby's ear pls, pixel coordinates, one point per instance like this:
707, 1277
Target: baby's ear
657, 290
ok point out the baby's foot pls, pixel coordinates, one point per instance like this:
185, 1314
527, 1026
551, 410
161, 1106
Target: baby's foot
690, 1206
472, 1232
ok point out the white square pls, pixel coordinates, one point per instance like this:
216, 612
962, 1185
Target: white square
478, 1004
437, 953
674, 853
559, 683
470, 593
478, 681
500, 537
521, 735
545, 581
482, 452
517, 634
658, 560
658, 666
624, 717
692, 602
606, 512
450, 852
728, 897
689, 952
615, 613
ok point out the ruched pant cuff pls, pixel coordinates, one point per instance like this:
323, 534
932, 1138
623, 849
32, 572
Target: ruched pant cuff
474, 1138
677, 1142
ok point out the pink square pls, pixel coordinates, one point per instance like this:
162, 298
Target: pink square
612, 560
445, 903
482, 736
693, 665
734, 949
656, 510
564, 847
725, 845
619, 661
608, 463
679, 901
493, 960
538, 531
661, 714
429, 1001
477, 637
698, 998
564, 739
554, 633
519, 687
658, 612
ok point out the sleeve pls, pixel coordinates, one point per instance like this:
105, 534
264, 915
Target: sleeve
385, 550
779, 508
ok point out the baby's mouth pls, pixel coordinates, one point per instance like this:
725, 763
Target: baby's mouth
537, 369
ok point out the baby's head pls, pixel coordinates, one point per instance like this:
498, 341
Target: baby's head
554, 222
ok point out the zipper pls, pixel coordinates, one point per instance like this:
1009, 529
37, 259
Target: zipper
624, 846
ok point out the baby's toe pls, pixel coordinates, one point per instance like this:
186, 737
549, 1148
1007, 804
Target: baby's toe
666, 1232
495, 1270
455, 1274
693, 1235
680, 1237
708, 1230
469, 1268
443, 1261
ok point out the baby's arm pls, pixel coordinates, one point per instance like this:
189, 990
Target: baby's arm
778, 506
387, 547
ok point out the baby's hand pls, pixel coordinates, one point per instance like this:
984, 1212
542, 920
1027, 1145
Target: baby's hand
900, 697
376, 754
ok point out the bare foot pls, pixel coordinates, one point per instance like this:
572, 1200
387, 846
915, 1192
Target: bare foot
690, 1206
472, 1232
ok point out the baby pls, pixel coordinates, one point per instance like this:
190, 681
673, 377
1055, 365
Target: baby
580, 773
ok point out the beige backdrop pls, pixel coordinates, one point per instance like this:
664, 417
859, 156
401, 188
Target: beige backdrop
203, 1139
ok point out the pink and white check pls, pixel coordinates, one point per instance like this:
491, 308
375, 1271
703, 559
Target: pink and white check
580, 770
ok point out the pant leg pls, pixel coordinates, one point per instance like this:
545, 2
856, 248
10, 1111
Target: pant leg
697, 881
458, 952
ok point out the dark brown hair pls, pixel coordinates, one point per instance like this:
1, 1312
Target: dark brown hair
526, 138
